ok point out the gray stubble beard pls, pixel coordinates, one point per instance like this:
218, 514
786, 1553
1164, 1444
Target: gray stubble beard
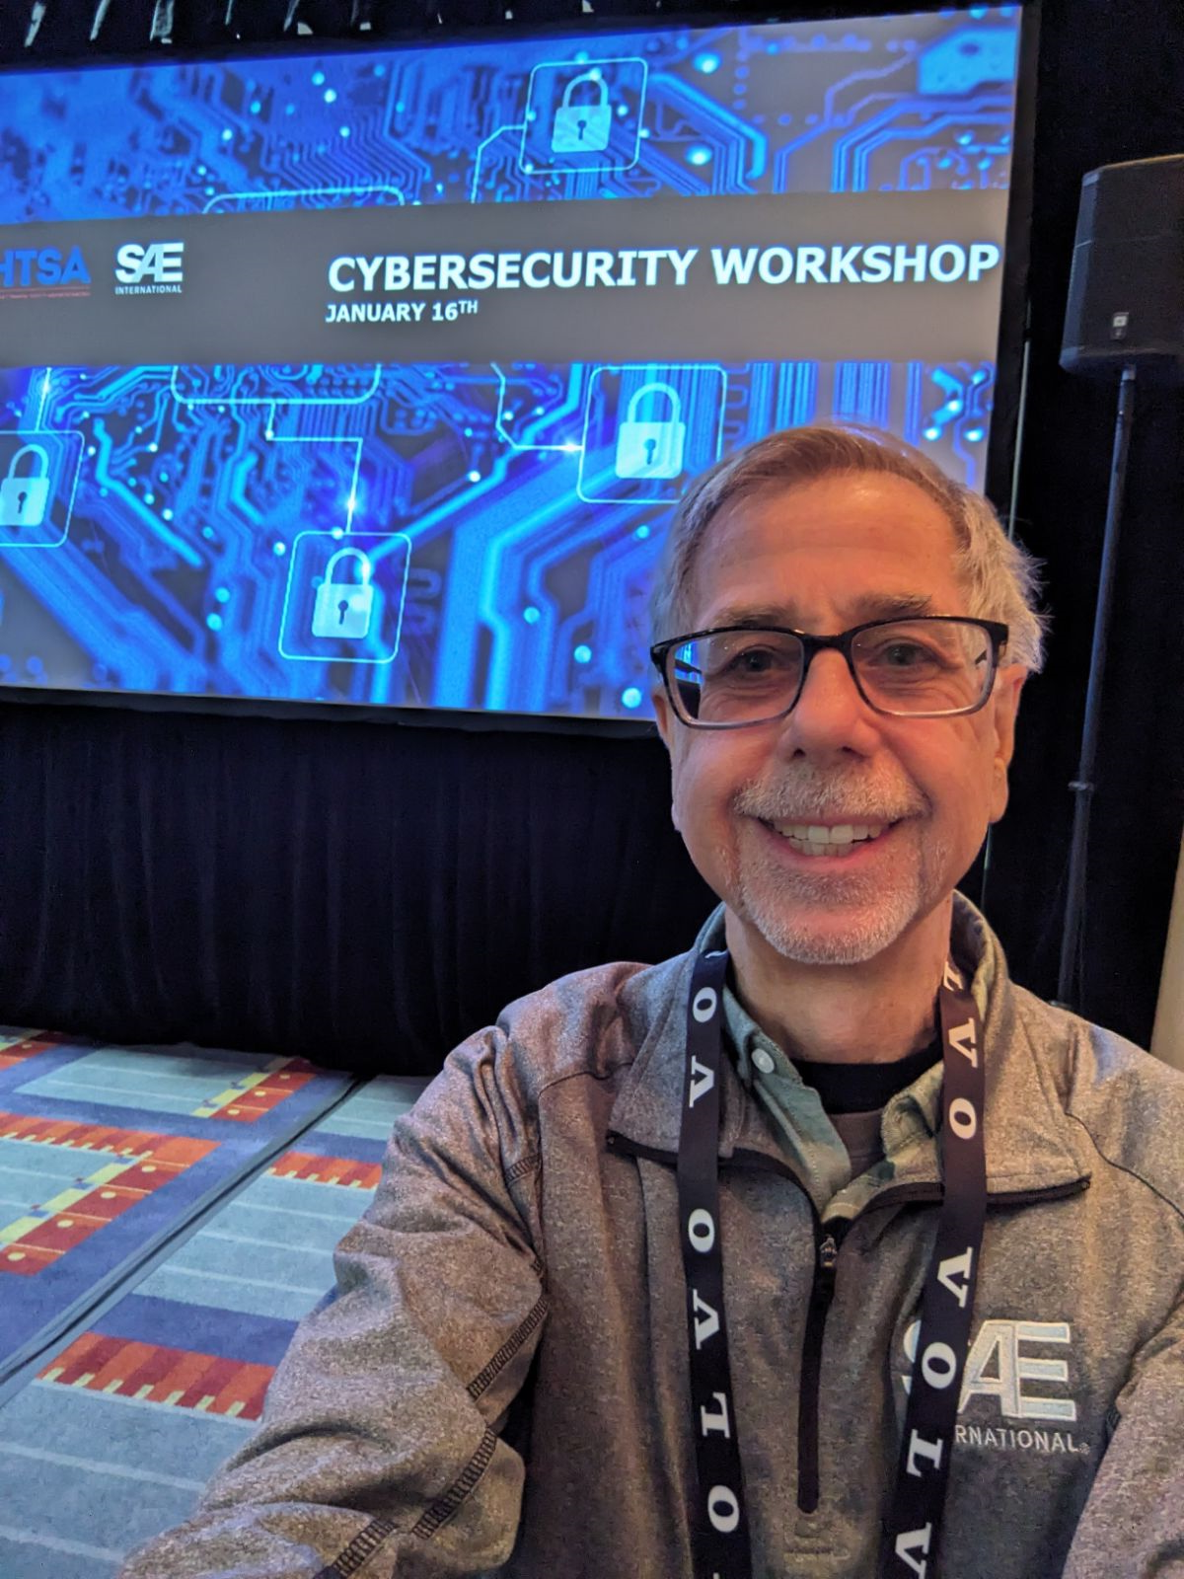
766, 898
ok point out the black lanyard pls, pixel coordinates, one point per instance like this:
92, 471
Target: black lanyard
719, 1523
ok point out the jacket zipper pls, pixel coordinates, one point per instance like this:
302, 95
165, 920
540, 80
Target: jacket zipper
828, 1239
826, 1255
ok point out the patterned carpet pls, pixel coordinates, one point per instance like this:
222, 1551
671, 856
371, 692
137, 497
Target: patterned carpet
110, 1433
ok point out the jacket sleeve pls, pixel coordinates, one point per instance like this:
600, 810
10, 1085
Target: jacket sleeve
379, 1454
1132, 1525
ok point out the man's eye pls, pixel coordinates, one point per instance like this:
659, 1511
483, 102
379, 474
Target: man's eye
905, 655
753, 660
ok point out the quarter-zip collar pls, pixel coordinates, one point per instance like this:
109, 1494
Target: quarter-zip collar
1031, 1144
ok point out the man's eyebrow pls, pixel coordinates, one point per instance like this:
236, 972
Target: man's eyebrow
875, 606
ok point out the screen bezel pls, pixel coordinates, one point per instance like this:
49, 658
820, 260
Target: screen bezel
1006, 416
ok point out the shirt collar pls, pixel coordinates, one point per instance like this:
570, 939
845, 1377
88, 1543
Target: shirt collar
1031, 1143
912, 1114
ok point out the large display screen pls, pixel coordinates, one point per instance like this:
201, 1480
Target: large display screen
371, 377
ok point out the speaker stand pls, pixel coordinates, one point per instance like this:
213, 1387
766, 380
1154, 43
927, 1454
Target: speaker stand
1083, 785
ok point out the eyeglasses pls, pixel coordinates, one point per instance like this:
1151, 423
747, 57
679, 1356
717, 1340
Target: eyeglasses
935, 666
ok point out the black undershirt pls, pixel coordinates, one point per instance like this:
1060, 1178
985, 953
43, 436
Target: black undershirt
863, 1088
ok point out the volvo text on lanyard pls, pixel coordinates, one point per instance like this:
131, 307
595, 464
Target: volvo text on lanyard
719, 1524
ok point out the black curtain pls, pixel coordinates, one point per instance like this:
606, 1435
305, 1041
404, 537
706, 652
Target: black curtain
362, 895
1110, 87
365, 894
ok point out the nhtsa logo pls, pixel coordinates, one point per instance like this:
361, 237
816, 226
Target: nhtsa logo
155, 270
45, 271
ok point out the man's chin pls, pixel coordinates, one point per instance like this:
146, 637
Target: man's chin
834, 932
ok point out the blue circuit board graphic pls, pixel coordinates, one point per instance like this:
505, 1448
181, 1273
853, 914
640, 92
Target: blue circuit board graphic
469, 535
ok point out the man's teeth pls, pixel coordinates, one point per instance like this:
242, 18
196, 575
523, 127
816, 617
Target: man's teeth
813, 839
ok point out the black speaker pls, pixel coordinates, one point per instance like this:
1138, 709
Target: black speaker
1126, 291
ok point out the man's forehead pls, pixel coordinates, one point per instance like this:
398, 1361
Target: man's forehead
870, 545
854, 608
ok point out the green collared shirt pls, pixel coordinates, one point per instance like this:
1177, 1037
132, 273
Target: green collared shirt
812, 1145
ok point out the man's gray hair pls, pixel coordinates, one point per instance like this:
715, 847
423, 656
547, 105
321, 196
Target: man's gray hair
1000, 578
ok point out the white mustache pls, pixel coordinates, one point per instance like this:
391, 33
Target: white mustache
826, 806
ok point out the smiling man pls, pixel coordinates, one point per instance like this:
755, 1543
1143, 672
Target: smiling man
821, 1250
833, 803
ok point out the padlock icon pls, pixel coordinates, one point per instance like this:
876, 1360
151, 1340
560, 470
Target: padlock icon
24, 497
651, 449
345, 608
583, 128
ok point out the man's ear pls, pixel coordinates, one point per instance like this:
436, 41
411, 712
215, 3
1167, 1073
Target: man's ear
1009, 682
662, 714
666, 721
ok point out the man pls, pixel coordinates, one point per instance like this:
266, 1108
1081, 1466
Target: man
821, 1250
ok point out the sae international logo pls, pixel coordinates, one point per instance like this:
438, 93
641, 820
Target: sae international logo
154, 270
1004, 1359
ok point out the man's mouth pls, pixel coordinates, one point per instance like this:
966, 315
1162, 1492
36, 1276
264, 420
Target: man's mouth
828, 838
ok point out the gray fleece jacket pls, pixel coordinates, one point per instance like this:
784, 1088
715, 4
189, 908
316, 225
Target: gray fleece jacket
501, 1381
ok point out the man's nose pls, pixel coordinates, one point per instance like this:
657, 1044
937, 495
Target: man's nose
830, 714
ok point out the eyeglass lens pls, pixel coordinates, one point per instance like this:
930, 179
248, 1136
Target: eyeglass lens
903, 667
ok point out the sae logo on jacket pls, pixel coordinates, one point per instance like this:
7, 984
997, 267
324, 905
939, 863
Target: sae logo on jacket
1009, 1365
1001, 1361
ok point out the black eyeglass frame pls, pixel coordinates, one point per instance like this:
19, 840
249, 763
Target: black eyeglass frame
811, 645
